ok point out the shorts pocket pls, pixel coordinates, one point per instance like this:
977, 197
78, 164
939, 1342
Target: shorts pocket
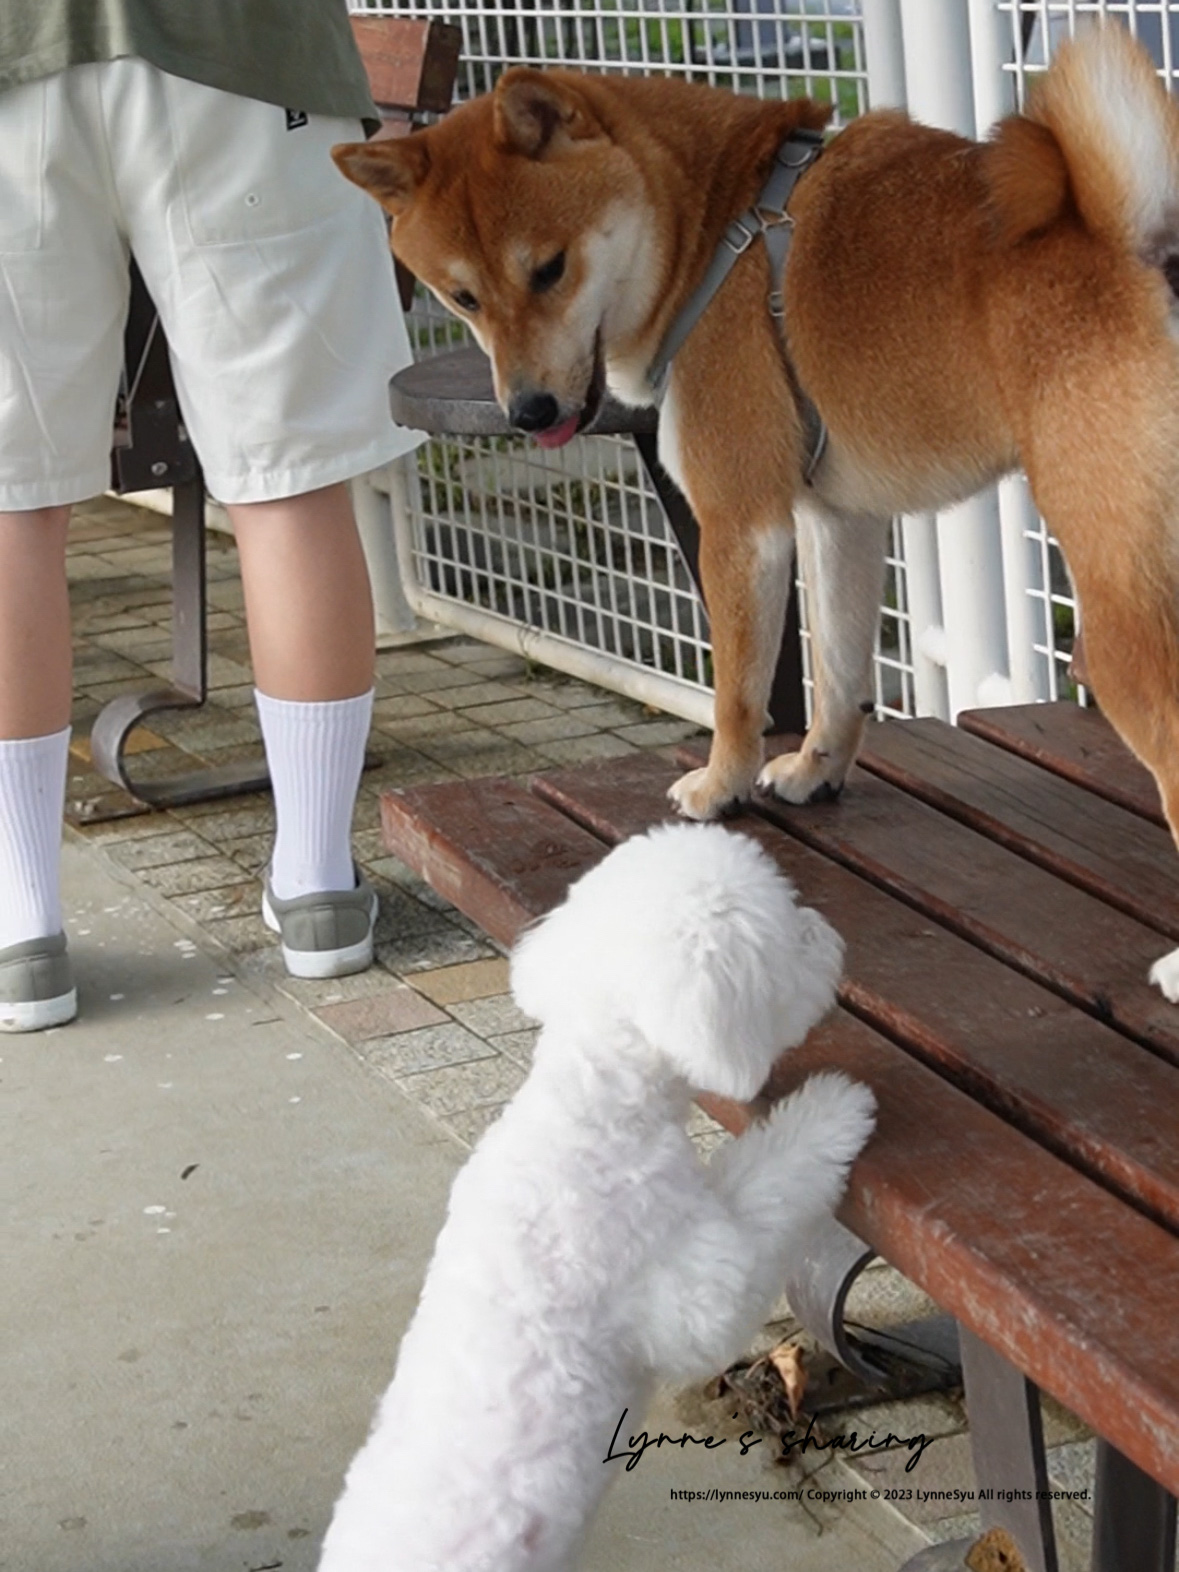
243, 174
22, 168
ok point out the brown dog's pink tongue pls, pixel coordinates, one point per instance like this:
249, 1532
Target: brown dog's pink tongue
557, 436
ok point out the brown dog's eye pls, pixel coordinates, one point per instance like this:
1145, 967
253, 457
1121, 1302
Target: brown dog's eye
464, 300
548, 274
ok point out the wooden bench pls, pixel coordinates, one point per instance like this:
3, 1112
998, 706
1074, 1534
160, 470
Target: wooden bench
411, 65
1003, 888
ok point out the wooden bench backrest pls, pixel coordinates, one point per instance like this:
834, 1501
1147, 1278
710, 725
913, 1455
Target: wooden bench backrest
411, 66
411, 63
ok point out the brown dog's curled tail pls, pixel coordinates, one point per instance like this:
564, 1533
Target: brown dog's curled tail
1100, 140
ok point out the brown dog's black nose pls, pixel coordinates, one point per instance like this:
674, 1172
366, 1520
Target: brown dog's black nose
533, 411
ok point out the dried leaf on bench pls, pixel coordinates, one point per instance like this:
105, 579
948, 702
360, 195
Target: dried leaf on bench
789, 1360
996, 1551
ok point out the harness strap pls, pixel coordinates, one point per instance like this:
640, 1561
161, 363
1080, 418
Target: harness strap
769, 218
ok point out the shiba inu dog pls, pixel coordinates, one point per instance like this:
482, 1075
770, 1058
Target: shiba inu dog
953, 310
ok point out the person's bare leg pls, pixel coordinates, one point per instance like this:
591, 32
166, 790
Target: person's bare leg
36, 986
36, 671
308, 600
310, 617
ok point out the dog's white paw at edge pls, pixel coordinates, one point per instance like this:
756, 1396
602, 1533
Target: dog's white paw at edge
812, 1138
697, 796
842, 1109
801, 778
1164, 974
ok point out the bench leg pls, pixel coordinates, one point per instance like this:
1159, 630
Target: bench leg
787, 698
190, 643
189, 688
1007, 1443
1133, 1518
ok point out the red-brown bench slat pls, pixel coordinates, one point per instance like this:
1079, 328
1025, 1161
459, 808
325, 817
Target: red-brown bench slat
613, 798
1077, 743
489, 847
1074, 1083
1082, 837
1014, 909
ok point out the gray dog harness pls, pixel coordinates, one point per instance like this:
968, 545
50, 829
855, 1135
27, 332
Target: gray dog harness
769, 218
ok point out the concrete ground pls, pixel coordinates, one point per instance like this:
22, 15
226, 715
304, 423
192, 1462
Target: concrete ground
221, 1186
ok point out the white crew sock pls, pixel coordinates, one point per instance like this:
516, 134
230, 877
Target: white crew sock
315, 753
32, 795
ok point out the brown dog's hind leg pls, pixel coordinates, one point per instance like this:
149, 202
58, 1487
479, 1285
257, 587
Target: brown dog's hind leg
1113, 504
1132, 661
842, 557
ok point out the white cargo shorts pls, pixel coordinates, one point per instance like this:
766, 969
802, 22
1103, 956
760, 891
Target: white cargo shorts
270, 271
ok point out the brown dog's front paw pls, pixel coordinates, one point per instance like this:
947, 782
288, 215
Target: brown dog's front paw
701, 795
801, 778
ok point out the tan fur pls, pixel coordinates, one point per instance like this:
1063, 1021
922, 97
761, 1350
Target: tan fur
953, 309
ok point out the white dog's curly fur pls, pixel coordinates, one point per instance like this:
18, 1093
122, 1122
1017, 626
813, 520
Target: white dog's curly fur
587, 1249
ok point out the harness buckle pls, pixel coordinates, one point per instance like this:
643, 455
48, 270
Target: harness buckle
739, 237
772, 217
809, 144
776, 304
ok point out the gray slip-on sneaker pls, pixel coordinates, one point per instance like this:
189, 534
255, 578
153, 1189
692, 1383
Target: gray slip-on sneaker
36, 985
326, 934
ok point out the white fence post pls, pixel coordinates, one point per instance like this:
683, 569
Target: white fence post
926, 623
939, 80
884, 54
991, 41
992, 47
936, 36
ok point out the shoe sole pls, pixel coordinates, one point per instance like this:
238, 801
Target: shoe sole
317, 965
37, 1015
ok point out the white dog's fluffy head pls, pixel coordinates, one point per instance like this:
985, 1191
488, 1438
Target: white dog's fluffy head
691, 935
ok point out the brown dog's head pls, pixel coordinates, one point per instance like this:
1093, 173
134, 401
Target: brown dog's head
526, 218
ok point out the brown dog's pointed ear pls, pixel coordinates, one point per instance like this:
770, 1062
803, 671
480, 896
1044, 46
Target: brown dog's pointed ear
390, 170
536, 111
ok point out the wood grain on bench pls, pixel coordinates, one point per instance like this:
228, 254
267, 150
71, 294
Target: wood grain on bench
1019, 911
1083, 838
1078, 744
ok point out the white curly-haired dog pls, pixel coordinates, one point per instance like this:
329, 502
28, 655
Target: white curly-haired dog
587, 1248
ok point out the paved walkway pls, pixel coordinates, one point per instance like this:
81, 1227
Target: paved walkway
339, 1208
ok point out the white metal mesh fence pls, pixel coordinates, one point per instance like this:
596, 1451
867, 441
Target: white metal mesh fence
576, 546
771, 48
